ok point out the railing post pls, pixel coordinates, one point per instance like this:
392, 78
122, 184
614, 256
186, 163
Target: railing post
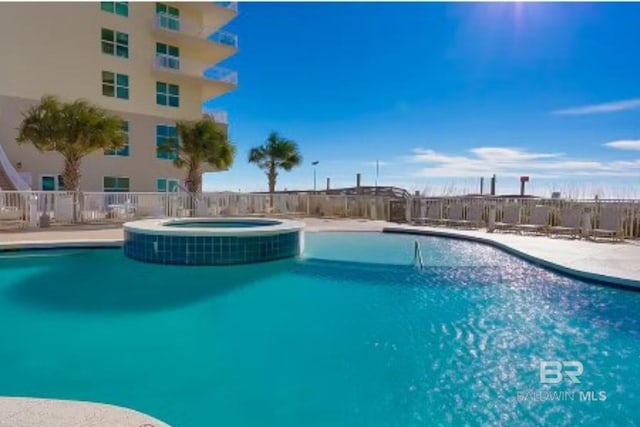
408, 209
491, 220
586, 222
34, 220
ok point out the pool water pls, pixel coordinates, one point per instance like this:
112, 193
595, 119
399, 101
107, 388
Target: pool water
349, 335
221, 224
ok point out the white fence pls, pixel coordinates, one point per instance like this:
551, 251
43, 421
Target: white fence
628, 210
23, 209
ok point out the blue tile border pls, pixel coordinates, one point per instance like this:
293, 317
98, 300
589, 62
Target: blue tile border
211, 250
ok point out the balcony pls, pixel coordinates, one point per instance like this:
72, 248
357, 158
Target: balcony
216, 80
232, 5
218, 116
209, 44
215, 14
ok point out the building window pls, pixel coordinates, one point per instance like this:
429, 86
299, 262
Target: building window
166, 185
124, 151
168, 17
115, 184
115, 85
115, 43
118, 7
168, 56
167, 94
166, 135
51, 183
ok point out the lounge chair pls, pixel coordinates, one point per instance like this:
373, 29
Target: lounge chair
510, 219
432, 215
610, 225
569, 223
539, 221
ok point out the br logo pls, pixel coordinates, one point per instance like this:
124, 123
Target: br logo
553, 371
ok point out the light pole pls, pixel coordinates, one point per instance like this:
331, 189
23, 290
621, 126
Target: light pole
314, 175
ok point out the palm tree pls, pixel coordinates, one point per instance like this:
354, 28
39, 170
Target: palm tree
276, 153
73, 129
200, 142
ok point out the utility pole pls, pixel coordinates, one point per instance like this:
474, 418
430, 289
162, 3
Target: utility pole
314, 164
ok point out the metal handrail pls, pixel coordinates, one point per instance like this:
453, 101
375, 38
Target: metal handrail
417, 255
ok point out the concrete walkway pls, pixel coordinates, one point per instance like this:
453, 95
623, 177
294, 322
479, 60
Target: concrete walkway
28, 412
612, 262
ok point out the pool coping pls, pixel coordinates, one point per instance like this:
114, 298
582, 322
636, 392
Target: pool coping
163, 227
603, 279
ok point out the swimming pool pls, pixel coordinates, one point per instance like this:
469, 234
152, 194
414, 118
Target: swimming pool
349, 335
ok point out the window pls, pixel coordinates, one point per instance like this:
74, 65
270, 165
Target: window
166, 185
51, 183
118, 7
124, 151
168, 56
115, 43
167, 94
115, 85
166, 134
168, 17
115, 184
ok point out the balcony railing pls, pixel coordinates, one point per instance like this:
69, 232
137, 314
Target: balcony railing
218, 116
222, 75
187, 27
195, 69
233, 5
225, 37
167, 61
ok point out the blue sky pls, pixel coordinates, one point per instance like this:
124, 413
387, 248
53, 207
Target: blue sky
440, 94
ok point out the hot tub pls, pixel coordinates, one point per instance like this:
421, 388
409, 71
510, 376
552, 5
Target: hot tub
213, 241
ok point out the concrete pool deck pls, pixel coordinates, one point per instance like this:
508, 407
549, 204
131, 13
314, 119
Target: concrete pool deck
612, 262
30, 412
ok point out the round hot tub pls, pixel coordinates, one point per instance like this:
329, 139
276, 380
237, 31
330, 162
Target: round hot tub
213, 241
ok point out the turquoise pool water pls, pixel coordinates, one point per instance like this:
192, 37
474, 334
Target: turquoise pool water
222, 224
350, 335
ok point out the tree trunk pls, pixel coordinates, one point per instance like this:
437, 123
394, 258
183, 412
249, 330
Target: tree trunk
194, 183
194, 180
272, 175
71, 174
71, 178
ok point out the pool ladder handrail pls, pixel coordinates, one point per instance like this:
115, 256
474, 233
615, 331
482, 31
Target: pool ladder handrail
417, 255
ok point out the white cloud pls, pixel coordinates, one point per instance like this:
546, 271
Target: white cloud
607, 107
629, 144
513, 162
